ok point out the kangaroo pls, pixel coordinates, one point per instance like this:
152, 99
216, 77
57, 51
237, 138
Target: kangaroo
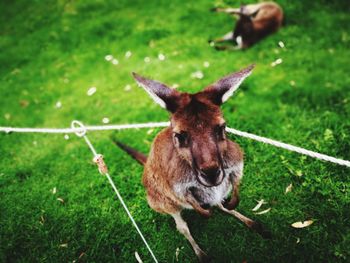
255, 21
192, 164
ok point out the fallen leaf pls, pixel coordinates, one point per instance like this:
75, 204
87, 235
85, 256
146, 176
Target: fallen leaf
161, 57
58, 104
264, 211
276, 62
108, 57
177, 252
302, 224
128, 54
60, 199
127, 87
24, 103
281, 44
289, 188
197, 75
91, 91
42, 220
64, 245
260, 203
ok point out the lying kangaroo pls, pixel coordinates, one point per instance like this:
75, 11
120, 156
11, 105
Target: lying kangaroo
191, 163
255, 21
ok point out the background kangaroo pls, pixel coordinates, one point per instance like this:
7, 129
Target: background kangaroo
191, 163
255, 21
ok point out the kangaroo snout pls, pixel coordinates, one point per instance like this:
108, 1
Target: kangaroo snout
212, 176
211, 172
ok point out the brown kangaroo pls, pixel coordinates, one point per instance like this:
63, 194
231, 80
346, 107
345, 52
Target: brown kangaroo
255, 21
192, 164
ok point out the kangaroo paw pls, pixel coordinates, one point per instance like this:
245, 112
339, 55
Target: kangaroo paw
205, 213
231, 204
203, 257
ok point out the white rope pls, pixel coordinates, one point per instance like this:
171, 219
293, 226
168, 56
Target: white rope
98, 159
290, 147
165, 124
87, 128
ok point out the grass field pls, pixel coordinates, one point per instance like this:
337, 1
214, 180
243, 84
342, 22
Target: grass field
52, 52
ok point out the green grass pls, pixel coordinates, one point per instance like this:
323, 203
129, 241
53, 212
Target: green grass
54, 51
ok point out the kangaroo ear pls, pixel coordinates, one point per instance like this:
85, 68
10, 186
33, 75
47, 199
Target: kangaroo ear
222, 90
166, 97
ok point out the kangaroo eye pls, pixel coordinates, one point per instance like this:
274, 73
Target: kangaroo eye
181, 139
220, 131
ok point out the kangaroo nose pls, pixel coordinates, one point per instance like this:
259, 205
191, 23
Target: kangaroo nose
212, 172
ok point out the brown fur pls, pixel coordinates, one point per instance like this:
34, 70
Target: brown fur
192, 164
255, 21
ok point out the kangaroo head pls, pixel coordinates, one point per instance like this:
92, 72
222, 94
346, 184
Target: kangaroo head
197, 123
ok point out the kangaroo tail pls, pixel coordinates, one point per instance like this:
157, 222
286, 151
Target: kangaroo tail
141, 158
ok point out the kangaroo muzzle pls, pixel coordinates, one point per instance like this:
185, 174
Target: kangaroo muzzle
210, 177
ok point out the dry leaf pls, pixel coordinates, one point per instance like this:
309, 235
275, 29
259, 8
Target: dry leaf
24, 103
197, 75
302, 224
161, 57
127, 87
137, 256
60, 199
260, 203
128, 54
177, 252
281, 44
91, 91
108, 57
276, 62
58, 104
264, 211
289, 188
